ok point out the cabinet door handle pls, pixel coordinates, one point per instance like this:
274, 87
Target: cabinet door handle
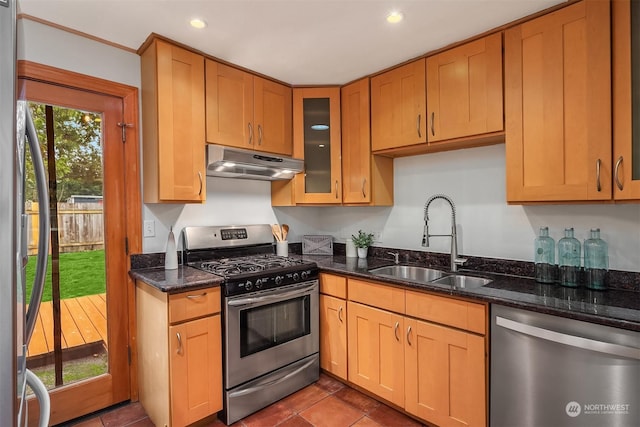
179, 350
408, 335
433, 119
395, 331
364, 183
200, 178
340, 314
336, 189
250, 133
617, 174
598, 185
259, 134
418, 126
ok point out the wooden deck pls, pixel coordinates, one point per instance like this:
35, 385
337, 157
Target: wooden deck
84, 328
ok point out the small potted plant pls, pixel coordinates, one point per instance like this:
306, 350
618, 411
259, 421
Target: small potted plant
362, 242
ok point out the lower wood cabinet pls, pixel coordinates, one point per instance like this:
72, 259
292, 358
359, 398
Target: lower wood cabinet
333, 324
179, 354
422, 352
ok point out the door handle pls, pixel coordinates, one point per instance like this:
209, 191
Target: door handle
179, 350
617, 174
598, 185
200, 178
340, 314
408, 335
418, 125
364, 183
250, 133
395, 331
433, 119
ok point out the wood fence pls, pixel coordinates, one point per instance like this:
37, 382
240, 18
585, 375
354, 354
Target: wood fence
80, 227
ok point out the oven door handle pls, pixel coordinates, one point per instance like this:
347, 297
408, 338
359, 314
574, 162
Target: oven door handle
271, 383
277, 296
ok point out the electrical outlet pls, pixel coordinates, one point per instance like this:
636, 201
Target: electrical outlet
149, 228
377, 236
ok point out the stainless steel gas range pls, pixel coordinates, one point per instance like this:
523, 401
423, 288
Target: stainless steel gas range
270, 314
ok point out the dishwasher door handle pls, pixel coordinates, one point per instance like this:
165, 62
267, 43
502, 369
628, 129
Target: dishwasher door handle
570, 340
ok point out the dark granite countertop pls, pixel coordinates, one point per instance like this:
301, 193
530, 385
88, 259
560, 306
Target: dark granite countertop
613, 307
179, 280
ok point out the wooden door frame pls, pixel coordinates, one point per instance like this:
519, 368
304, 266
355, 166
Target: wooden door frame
133, 213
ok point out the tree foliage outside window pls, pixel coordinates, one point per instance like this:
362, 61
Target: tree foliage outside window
78, 152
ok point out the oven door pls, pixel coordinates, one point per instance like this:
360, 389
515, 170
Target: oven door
269, 329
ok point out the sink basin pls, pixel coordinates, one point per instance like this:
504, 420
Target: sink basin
462, 282
408, 272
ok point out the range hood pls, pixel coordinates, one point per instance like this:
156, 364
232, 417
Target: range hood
232, 162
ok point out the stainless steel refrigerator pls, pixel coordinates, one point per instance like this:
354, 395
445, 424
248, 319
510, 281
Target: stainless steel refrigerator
17, 318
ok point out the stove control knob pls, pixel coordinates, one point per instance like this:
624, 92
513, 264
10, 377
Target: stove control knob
248, 286
279, 280
258, 283
296, 277
305, 275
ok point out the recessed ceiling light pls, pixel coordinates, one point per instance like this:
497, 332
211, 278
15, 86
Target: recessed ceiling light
198, 23
319, 127
394, 17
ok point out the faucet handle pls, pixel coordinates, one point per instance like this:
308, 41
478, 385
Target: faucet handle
460, 261
396, 256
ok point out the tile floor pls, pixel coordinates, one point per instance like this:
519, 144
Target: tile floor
327, 402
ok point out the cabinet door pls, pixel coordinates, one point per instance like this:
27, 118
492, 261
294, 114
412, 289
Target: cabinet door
333, 335
319, 147
464, 90
626, 108
558, 105
174, 126
356, 145
376, 351
445, 375
229, 98
398, 111
195, 364
272, 117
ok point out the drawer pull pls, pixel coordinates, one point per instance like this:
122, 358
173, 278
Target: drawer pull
202, 295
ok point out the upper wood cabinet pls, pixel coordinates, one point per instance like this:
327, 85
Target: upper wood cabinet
247, 111
626, 108
173, 124
558, 105
398, 111
464, 90
366, 178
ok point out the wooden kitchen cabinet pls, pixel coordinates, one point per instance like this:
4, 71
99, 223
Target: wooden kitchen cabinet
173, 124
464, 90
179, 353
558, 105
247, 111
333, 324
321, 181
376, 351
626, 108
423, 352
398, 110
445, 374
366, 178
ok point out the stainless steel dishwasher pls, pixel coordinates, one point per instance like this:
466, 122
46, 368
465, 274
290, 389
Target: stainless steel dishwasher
553, 371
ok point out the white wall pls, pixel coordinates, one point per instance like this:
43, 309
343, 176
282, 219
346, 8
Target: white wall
473, 178
487, 226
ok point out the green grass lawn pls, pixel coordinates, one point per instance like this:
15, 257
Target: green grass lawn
81, 273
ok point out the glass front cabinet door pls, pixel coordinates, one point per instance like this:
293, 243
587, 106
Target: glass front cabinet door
316, 139
626, 100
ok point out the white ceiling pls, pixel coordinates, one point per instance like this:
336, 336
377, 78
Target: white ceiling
301, 42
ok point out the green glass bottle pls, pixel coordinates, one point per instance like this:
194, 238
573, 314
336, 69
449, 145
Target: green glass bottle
545, 257
569, 259
596, 261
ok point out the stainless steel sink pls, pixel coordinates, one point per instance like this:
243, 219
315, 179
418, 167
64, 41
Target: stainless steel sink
408, 272
462, 282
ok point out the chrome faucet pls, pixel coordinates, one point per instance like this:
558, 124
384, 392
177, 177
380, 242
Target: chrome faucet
455, 261
396, 256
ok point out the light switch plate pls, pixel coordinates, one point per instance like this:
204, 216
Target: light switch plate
149, 228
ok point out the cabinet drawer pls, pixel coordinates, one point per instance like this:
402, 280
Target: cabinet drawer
377, 295
192, 304
447, 311
333, 285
